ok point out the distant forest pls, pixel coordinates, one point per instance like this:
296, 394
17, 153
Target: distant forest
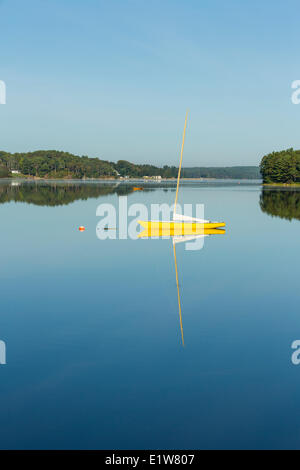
235, 172
281, 167
56, 164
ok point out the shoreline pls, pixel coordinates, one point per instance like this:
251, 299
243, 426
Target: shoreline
124, 180
281, 185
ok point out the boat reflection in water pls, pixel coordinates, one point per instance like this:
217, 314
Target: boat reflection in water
178, 237
187, 238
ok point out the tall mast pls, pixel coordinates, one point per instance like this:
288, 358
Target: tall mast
179, 170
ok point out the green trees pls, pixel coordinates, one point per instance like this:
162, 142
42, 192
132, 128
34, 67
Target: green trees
229, 172
281, 167
55, 164
125, 168
4, 172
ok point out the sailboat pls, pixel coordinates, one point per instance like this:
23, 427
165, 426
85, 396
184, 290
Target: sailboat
182, 225
182, 229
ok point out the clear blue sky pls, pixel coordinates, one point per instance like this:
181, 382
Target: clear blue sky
113, 79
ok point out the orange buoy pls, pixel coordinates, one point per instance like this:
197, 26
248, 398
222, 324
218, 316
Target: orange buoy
137, 189
81, 228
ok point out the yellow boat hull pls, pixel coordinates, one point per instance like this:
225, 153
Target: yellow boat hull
160, 229
171, 233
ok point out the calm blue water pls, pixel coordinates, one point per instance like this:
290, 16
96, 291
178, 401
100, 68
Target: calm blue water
92, 332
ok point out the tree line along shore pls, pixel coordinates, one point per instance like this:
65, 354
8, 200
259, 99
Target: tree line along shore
53, 164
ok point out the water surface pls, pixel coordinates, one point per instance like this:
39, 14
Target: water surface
94, 351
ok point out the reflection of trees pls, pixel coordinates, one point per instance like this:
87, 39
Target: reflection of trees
58, 194
281, 203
